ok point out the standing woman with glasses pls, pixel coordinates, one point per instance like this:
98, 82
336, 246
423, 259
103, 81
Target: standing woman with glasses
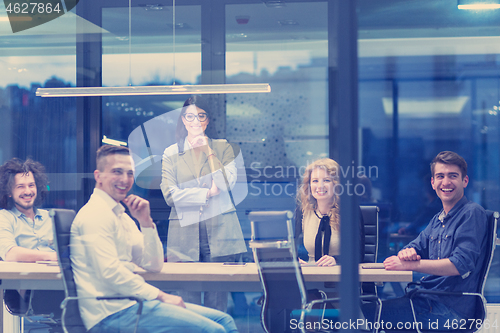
197, 176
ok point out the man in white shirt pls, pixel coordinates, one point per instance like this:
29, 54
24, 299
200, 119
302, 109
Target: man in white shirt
106, 246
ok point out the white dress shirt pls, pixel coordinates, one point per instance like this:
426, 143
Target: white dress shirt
106, 246
18, 230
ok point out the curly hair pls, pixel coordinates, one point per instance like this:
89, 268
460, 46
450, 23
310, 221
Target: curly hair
8, 172
305, 199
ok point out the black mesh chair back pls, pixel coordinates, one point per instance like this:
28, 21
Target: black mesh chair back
490, 245
38, 306
62, 220
491, 238
274, 252
370, 220
480, 313
370, 227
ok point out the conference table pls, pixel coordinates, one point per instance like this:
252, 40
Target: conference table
189, 276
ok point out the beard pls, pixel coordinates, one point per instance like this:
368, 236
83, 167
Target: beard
25, 206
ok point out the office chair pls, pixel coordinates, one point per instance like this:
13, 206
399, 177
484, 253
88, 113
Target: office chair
62, 220
479, 299
370, 221
36, 306
285, 294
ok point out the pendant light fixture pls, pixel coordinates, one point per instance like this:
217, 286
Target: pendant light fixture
154, 90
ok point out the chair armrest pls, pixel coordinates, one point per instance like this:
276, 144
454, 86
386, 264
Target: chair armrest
378, 309
411, 285
336, 299
369, 298
447, 293
442, 293
139, 300
132, 298
321, 301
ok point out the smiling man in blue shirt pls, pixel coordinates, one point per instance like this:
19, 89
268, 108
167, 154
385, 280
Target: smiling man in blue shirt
451, 250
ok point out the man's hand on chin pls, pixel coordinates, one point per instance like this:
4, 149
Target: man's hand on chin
139, 208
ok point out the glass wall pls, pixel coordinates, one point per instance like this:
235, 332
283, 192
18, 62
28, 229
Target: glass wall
426, 84
278, 133
43, 129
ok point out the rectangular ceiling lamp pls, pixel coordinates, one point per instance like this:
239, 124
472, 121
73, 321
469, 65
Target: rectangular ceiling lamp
426, 107
478, 4
113, 142
155, 90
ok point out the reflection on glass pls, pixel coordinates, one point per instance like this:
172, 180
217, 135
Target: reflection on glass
198, 181
152, 60
43, 56
289, 126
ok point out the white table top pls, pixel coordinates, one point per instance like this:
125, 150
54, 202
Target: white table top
208, 272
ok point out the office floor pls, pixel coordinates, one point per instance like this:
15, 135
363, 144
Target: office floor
245, 311
249, 324
241, 306
245, 324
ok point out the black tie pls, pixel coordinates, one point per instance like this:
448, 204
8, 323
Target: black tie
324, 226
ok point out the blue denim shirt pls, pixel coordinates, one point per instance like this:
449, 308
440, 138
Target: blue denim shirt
460, 237
18, 230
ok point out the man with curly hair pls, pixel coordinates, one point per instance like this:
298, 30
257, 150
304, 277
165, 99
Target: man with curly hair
25, 231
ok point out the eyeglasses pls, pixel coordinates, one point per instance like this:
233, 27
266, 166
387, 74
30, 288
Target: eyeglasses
201, 117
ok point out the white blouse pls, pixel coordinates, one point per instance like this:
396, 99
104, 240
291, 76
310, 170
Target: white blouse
310, 224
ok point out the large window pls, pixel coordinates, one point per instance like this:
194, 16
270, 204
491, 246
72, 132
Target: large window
278, 133
43, 129
427, 86
429, 80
